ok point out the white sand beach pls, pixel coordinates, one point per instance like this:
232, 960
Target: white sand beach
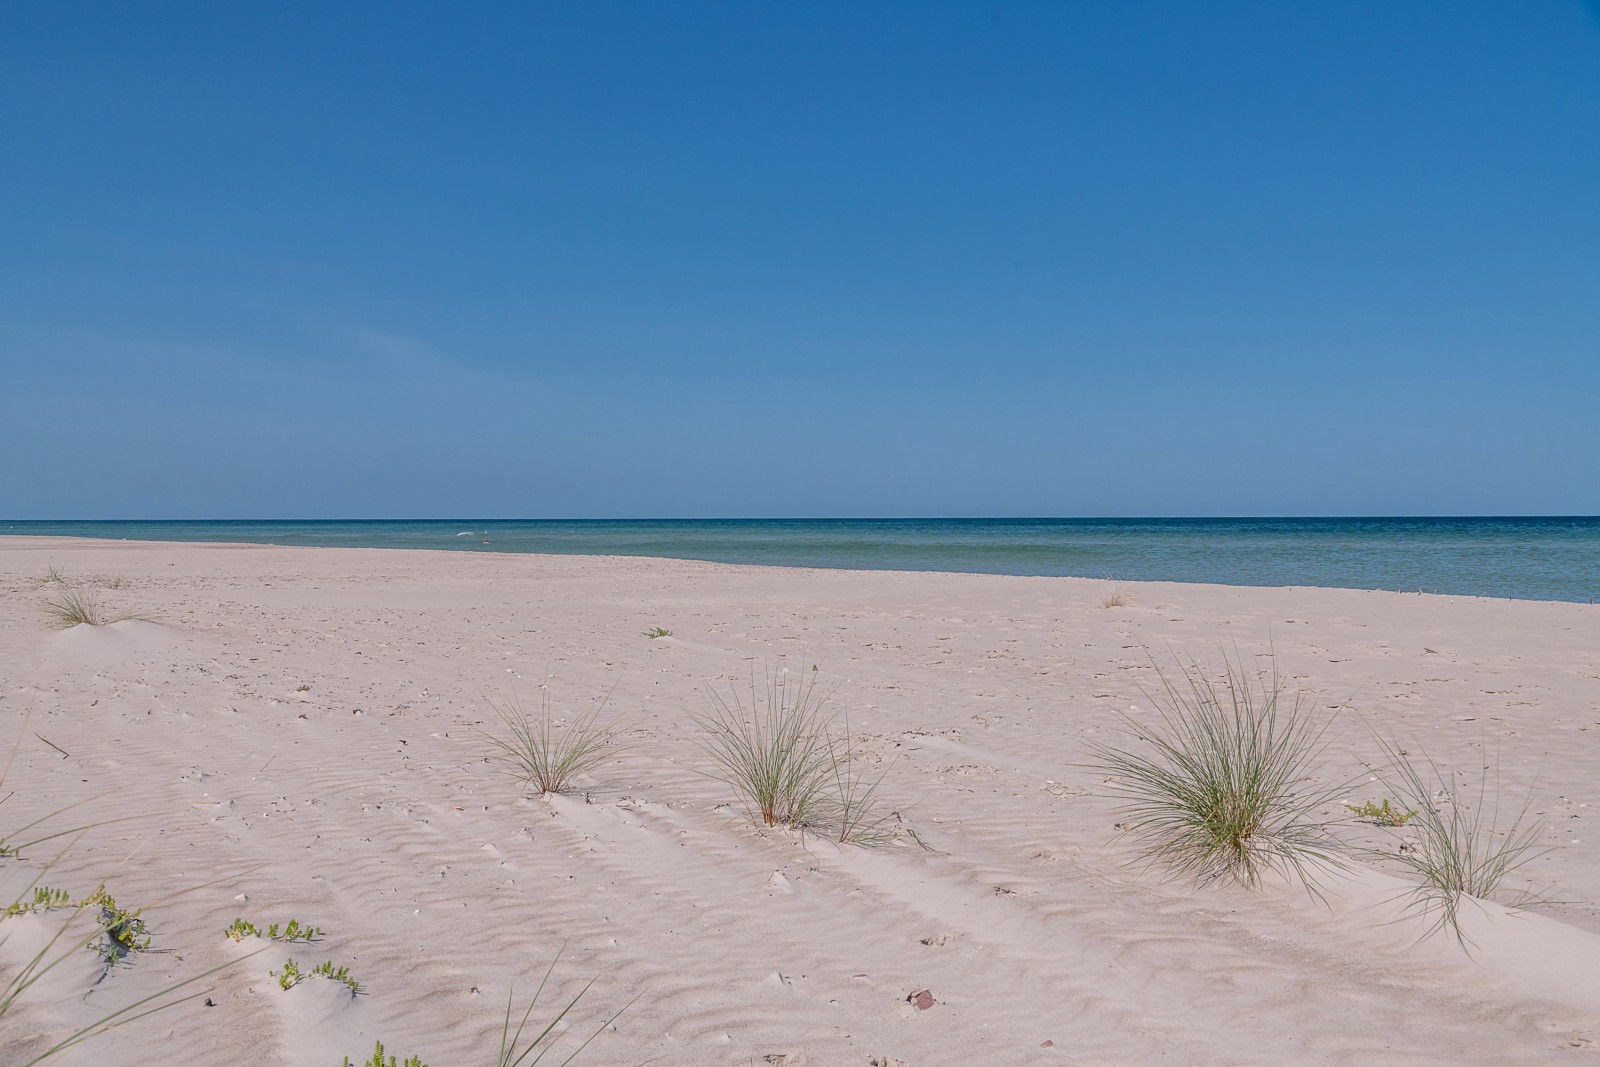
293, 733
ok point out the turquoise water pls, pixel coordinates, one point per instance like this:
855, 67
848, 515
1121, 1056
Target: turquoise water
1526, 558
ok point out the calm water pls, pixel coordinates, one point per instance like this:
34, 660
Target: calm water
1529, 558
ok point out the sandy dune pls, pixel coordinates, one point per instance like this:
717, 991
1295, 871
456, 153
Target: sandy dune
296, 726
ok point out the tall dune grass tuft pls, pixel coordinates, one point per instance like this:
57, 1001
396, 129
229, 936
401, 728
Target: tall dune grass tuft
1225, 785
1464, 846
774, 752
541, 755
1115, 598
780, 754
72, 607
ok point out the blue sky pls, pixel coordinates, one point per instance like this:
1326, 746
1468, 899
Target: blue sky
595, 260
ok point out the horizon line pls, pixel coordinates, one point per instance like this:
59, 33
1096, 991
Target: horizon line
813, 518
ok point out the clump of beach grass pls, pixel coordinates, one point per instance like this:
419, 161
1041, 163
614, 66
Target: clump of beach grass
1115, 598
75, 607
51, 576
774, 751
779, 753
657, 631
1226, 783
71, 608
1465, 843
542, 755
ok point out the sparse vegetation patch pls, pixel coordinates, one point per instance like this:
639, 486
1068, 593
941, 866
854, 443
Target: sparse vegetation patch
292, 975
1382, 814
377, 1060
44, 899
240, 929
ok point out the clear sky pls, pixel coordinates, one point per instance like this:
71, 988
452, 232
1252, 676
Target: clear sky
754, 259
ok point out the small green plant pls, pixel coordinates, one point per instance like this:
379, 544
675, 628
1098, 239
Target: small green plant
1228, 784
51, 576
292, 975
774, 754
542, 757
112, 581
44, 898
293, 931
657, 631
1465, 846
289, 977
240, 929
377, 1060
337, 974
125, 931
1382, 814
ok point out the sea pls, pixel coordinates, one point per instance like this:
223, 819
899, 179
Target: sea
1529, 558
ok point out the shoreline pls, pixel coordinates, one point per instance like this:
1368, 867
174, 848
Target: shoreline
304, 724
501, 553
